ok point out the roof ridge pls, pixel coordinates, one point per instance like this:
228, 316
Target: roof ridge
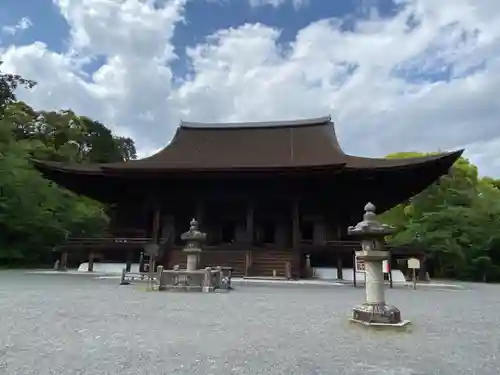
256, 124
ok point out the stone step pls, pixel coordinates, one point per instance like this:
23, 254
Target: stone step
263, 263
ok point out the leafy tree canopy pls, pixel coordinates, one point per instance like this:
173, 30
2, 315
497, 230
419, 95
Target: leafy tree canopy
456, 220
35, 214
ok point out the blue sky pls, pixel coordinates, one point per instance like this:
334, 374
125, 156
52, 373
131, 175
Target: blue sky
48, 25
396, 75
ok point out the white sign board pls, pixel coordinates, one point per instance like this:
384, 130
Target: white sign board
385, 266
360, 265
414, 263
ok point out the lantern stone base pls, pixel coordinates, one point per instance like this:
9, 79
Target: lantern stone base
206, 280
181, 288
378, 315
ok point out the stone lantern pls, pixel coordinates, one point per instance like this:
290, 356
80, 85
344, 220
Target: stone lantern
194, 240
374, 312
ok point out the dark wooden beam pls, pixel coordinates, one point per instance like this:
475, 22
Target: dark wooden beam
295, 224
200, 212
155, 232
91, 262
249, 223
296, 258
63, 264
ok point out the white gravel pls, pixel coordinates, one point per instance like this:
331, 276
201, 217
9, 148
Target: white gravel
79, 325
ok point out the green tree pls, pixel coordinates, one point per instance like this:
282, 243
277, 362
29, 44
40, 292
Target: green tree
482, 266
456, 220
495, 183
8, 85
35, 214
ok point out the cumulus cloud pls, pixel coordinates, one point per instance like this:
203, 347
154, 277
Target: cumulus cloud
426, 78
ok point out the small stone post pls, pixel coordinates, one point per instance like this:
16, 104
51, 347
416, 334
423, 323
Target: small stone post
123, 278
194, 239
128, 265
141, 262
152, 250
159, 273
207, 280
374, 312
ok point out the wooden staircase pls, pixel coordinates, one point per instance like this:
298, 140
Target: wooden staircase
212, 258
256, 263
269, 263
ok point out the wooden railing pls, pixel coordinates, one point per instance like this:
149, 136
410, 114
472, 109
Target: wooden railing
103, 242
350, 246
306, 247
108, 241
245, 259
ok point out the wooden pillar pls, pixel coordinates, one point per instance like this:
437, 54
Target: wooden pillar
91, 262
295, 225
354, 273
248, 263
167, 238
155, 232
340, 275
319, 231
422, 272
167, 232
309, 271
155, 235
296, 261
281, 233
200, 213
389, 261
63, 264
249, 228
340, 255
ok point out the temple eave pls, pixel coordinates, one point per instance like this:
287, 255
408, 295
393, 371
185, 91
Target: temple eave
58, 167
352, 164
389, 187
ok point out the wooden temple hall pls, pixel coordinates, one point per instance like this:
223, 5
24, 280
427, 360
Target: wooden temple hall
271, 196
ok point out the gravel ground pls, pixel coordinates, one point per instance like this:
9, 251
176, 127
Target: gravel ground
79, 325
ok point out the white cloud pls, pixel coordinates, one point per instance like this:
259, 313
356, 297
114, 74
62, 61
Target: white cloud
371, 79
23, 24
276, 3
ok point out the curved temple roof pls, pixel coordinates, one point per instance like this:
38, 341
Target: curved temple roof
257, 146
